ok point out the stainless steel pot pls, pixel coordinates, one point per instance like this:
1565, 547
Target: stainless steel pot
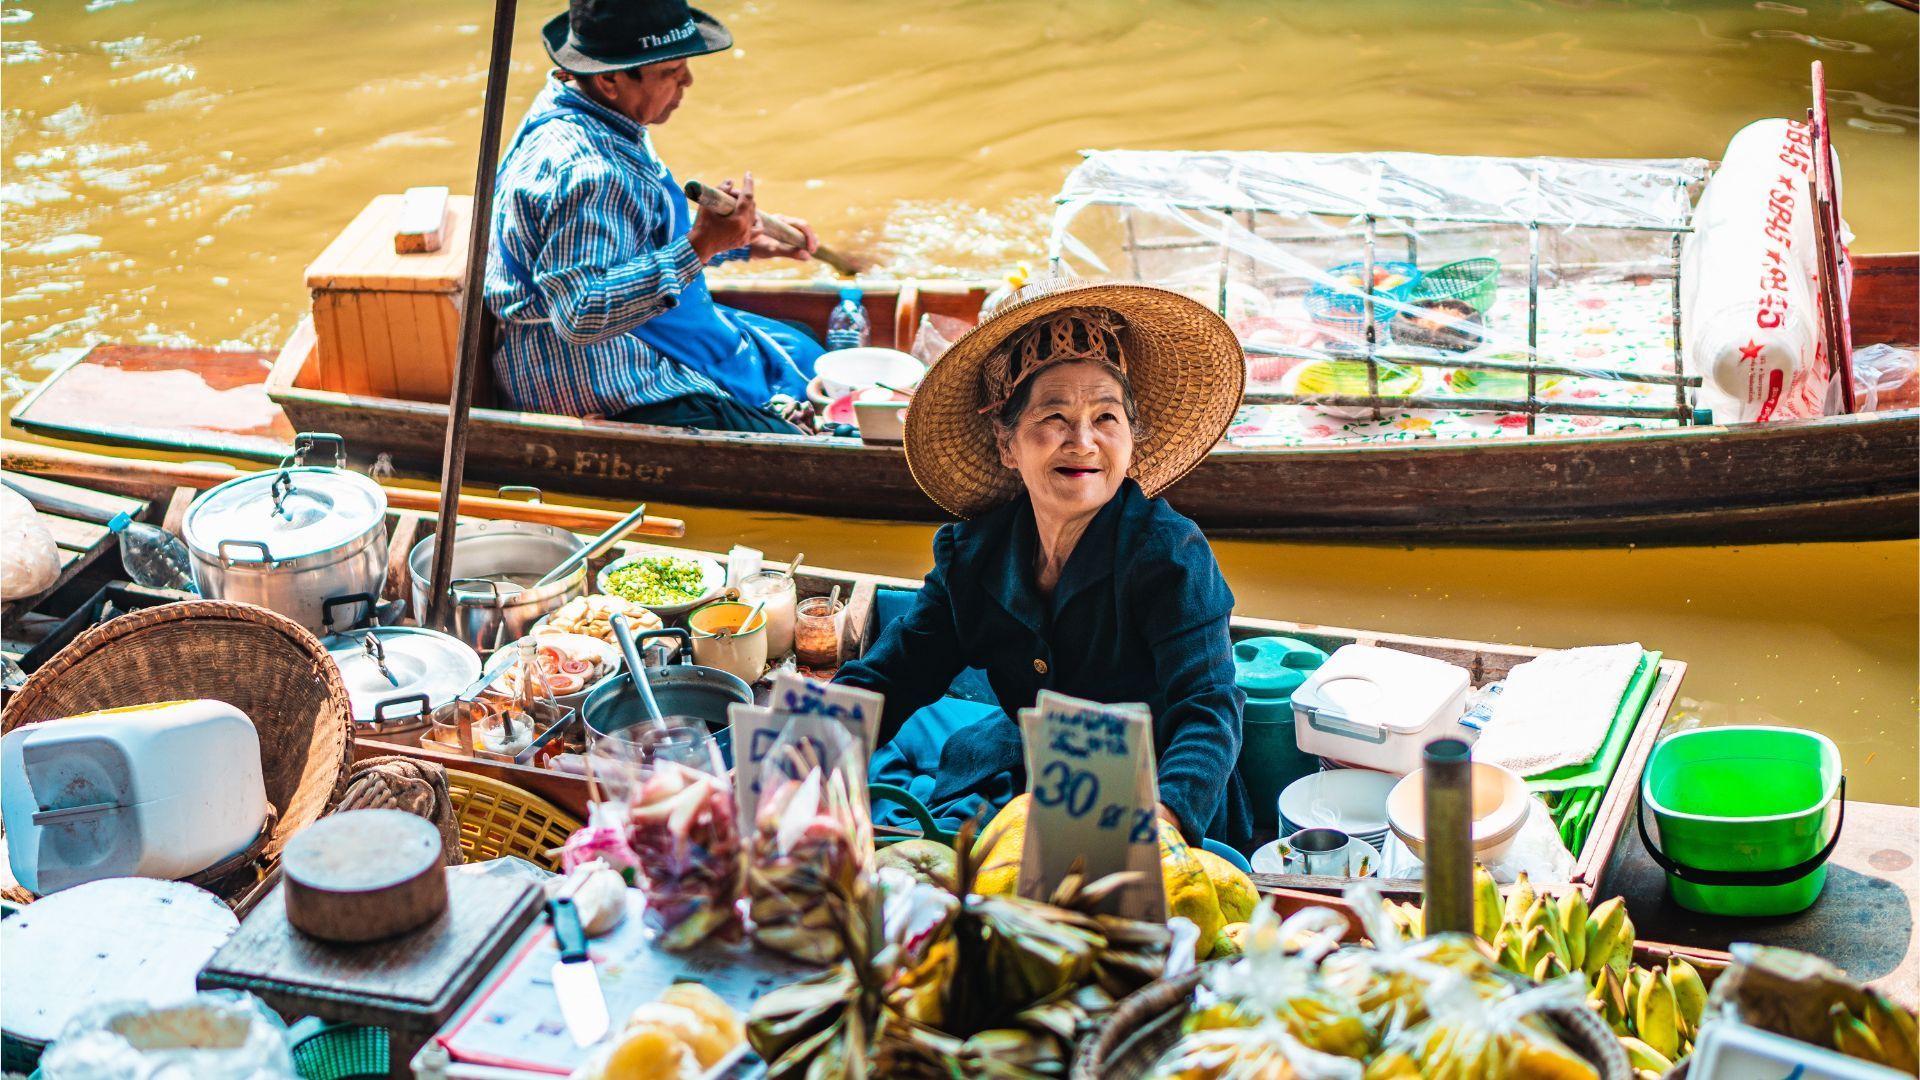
493, 563
292, 538
682, 690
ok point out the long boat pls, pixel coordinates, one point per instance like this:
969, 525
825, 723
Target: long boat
1846, 477
1608, 862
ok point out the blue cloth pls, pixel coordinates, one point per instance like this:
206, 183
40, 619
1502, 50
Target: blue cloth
1139, 614
911, 762
601, 299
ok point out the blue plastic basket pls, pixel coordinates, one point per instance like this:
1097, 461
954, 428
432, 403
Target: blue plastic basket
1339, 309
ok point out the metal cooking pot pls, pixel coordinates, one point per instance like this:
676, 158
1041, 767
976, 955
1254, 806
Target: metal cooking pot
683, 689
291, 538
493, 563
400, 678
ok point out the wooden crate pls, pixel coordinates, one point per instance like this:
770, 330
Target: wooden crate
388, 324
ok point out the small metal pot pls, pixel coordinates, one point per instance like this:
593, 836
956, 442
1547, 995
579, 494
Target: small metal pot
488, 609
291, 538
683, 689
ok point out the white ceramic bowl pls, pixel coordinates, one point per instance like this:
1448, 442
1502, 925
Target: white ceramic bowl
713, 578
843, 371
1500, 806
1351, 800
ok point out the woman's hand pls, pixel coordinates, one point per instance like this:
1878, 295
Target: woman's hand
763, 246
1168, 816
713, 233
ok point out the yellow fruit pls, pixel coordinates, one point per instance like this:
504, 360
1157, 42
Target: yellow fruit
1225, 947
707, 1005
650, 1053
1537, 1059
1000, 847
1233, 889
1189, 890
707, 1042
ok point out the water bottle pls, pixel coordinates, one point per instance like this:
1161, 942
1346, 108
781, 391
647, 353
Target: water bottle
153, 556
847, 326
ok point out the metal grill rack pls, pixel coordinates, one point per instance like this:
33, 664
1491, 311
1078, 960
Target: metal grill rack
1242, 204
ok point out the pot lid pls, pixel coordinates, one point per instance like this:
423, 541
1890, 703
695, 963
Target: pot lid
292, 512
1269, 668
419, 661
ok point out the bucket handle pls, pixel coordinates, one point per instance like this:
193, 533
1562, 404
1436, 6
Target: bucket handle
1694, 875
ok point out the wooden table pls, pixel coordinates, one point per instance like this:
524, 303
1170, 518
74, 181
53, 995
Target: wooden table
410, 985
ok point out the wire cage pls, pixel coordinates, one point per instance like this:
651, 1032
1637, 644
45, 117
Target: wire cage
1341, 273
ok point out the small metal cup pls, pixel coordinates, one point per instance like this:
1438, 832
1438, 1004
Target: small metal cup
1319, 852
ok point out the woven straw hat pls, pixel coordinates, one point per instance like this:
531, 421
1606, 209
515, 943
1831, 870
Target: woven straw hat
1186, 368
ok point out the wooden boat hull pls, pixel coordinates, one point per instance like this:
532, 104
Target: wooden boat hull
1834, 478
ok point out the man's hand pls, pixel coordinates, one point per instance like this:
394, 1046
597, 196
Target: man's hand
763, 246
713, 233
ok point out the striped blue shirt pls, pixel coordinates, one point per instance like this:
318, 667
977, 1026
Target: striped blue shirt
581, 254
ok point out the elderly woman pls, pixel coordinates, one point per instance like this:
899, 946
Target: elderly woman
1050, 428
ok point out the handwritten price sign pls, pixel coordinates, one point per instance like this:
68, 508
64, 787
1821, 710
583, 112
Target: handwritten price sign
754, 729
1090, 771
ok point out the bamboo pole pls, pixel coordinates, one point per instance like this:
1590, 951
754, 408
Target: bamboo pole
59, 463
473, 315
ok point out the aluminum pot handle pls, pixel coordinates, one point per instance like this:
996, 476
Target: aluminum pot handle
685, 639
380, 711
522, 489
492, 588
366, 619
309, 440
220, 549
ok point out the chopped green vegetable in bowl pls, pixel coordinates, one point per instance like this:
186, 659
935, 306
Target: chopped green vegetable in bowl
658, 580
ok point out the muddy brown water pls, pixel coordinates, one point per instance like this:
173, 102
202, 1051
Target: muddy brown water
168, 167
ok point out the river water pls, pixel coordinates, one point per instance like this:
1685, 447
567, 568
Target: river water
170, 166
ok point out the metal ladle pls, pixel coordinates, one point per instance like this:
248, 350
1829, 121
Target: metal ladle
596, 546
637, 670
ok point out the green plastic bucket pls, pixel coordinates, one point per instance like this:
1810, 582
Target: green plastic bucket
1269, 670
1743, 816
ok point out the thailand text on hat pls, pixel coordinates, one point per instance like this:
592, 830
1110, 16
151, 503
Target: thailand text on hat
595, 37
1184, 365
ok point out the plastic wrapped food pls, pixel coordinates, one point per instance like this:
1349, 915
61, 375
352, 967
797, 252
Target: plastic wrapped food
1466, 1035
681, 827
812, 838
218, 1035
29, 559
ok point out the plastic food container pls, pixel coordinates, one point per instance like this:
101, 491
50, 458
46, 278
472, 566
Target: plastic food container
160, 791
1377, 708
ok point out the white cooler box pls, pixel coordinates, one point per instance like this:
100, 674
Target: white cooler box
160, 791
1729, 1050
1378, 708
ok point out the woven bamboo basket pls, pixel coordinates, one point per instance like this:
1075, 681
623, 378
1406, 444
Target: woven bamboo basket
1147, 1023
498, 819
262, 663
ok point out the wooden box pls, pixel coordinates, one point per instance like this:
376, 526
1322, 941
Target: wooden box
389, 325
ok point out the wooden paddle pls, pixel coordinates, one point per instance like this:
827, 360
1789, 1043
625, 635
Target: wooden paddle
712, 198
57, 462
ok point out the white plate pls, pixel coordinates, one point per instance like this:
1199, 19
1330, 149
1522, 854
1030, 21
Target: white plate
1351, 800
1363, 859
713, 578
505, 657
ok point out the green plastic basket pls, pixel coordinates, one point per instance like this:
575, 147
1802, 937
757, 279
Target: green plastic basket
1748, 817
1472, 280
340, 1052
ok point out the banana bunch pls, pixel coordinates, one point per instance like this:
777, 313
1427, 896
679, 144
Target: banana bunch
1656, 1011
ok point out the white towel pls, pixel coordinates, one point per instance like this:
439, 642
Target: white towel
1555, 710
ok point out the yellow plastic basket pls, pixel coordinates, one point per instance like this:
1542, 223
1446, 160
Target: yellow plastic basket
498, 819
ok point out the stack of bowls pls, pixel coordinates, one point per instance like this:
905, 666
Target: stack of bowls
1351, 800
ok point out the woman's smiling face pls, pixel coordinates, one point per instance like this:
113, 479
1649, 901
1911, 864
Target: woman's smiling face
1072, 444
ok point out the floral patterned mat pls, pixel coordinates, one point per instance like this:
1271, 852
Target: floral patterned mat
1618, 326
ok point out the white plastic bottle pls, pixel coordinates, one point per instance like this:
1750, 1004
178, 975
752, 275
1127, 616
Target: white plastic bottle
847, 326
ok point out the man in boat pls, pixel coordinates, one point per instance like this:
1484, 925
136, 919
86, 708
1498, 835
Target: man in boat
1051, 428
596, 267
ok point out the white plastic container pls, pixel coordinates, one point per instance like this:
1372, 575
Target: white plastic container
160, 791
1729, 1050
1378, 708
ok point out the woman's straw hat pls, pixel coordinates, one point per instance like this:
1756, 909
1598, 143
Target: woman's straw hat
1186, 368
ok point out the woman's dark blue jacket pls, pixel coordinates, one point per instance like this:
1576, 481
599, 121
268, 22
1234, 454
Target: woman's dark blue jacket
1139, 614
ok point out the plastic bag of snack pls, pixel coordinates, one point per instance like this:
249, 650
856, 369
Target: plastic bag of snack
812, 839
1465, 1034
676, 802
1277, 983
